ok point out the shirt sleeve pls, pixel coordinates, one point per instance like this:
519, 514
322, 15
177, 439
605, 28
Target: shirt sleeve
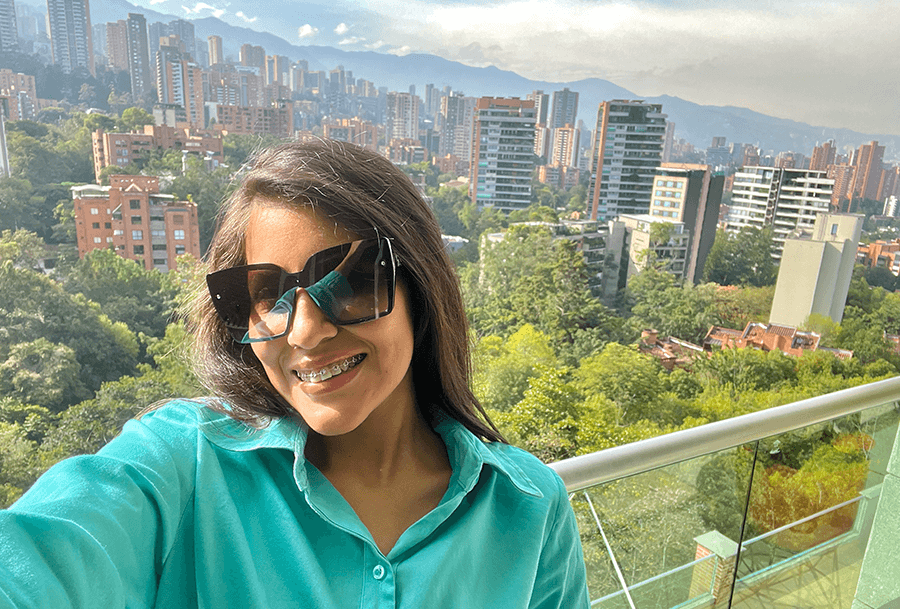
561, 581
94, 530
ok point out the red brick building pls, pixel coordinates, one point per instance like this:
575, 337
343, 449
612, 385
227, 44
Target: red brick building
131, 217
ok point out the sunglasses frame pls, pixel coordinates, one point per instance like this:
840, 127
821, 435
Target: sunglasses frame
221, 285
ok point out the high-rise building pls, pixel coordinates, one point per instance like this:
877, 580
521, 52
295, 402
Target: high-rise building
822, 156
401, 116
843, 186
278, 70
457, 120
541, 105
890, 183
18, 92
117, 45
816, 269
626, 151
156, 31
788, 200
138, 57
867, 163
253, 56
216, 54
185, 32
502, 153
132, 217
70, 34
565, 146
9, 31
692, 195
179, 82
565, 109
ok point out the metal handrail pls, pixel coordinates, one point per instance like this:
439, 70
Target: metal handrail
586, 471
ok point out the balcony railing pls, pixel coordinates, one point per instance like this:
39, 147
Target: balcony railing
770, 509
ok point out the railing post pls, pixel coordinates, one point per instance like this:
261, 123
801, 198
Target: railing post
716, 577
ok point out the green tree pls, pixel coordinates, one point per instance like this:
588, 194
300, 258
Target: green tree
44, 373
134, 119
530, 277
545, 421
33, 306
124, 289
24, 248
502, 369
630, 380
742, 259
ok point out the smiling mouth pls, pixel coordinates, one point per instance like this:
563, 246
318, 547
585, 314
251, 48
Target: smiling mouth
336, 369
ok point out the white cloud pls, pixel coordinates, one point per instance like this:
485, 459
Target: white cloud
202, 6
351, 40
245, 17
341, 29
810, 61
401, 51
307, 31
375, 45
152, 2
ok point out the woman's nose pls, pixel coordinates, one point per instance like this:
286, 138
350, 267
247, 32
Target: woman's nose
309, 326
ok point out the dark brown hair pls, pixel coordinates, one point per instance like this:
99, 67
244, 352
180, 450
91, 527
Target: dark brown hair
360, 191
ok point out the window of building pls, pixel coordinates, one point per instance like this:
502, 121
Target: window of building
135, 219
95, 225
107, 225
137, 235
154, 218
159, 261
98, 240
179, 250
159, 247
834, 229
178, 234
134, 203
138, 250
95, 211
118, 232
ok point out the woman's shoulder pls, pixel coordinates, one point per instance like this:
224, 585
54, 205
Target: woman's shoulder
528, 467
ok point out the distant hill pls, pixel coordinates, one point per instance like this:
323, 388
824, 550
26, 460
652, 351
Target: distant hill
695, 123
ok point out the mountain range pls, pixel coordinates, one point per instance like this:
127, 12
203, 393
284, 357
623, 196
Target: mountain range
696, 123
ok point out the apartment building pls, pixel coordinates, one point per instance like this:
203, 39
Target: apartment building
502, 153
133, 218
690, 194
122, 149
788, 200
70, 34
626, 151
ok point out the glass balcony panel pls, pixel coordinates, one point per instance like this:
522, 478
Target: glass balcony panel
670, 531
810, 512
667, 537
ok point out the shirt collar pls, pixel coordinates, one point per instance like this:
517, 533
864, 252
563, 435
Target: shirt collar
468, 455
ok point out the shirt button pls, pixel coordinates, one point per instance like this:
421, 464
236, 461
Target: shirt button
378, 572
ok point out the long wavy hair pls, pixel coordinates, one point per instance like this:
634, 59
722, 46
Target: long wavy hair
361, 191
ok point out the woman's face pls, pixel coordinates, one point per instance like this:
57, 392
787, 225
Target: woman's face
377, 353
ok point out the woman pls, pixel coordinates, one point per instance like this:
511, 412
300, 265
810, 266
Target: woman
343, 462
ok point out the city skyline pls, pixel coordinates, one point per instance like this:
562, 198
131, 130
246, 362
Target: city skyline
709, 53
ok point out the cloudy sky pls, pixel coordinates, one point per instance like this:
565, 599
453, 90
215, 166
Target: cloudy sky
825, 63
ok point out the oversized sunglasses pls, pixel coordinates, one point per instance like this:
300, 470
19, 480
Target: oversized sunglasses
351, 283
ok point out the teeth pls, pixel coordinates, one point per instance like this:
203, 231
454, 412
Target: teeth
331, 371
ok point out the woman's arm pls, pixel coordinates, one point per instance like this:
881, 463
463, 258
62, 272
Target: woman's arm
94, 531
561, 581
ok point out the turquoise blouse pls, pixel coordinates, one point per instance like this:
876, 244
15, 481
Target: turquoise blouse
189, 508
